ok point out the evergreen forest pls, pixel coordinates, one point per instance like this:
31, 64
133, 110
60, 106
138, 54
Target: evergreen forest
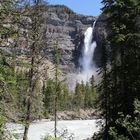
27, 92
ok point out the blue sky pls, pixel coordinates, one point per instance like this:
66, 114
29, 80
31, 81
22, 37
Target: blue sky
86, 7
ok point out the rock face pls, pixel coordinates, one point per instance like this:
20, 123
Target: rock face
65, 29
100, 34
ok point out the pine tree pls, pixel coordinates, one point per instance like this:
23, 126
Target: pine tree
92, 83
130, 124
79, 95
119, 76
64, 98
49, 96
8, 39
34, 97
57, 91
87, 98
104, 90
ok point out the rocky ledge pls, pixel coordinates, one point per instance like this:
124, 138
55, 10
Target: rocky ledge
82, 114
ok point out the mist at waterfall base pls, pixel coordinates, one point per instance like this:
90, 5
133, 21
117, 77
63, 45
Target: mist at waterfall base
86, 63
86, 60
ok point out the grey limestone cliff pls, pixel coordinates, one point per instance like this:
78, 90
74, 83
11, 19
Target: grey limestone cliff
66, 29
100, 34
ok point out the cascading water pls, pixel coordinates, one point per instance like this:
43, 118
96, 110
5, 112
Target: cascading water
86, 60
87, 66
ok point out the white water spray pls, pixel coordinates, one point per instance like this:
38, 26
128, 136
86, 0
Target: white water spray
86, 61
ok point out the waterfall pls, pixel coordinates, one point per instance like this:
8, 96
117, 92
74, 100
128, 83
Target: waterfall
87, 66
86, 60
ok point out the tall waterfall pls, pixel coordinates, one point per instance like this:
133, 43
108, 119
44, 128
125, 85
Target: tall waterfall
87, 66
86, 60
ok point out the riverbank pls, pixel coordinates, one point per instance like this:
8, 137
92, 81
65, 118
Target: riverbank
81, 114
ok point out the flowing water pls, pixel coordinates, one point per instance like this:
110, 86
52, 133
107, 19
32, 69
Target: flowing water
86, 60
68, 130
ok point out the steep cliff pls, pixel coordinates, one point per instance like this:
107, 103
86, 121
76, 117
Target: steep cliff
66, 29
100, 34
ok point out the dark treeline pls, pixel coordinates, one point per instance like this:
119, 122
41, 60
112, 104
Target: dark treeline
120, 85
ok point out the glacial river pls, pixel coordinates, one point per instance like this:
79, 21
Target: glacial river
68, 129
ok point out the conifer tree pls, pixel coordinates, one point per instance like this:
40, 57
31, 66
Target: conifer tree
8, 38
120, 76
57, 87
34, 97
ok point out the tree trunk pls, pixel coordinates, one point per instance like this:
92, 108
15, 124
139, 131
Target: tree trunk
26, 132
55, 119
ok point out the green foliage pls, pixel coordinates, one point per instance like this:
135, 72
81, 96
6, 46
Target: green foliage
113, 133
120, 69
85, 95
22, 97
63, 100
51, 138
131, 124
7, 73
2, 123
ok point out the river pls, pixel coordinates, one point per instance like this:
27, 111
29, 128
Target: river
67, 129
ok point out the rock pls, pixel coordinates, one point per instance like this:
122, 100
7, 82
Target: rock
82, 114
65, 29
100, 34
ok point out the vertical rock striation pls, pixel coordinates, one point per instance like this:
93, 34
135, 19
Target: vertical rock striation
66, 29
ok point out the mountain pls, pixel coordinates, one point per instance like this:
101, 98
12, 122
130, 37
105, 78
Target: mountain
66, 29
100, 34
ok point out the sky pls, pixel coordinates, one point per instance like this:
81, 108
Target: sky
86, 7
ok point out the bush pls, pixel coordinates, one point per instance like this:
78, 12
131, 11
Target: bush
48, 137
